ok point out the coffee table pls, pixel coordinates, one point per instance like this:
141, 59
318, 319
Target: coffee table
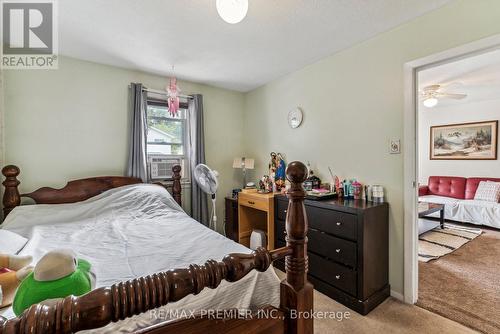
425, 209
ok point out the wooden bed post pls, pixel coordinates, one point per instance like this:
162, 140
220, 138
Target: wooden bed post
296, 291
176, 186
11, 197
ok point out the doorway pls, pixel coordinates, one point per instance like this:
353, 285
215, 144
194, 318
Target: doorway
411, 150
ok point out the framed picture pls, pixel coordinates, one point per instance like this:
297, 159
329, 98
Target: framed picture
466, 141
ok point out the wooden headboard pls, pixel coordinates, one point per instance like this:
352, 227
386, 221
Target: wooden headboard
74, 191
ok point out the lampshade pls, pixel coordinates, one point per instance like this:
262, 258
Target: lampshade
247, 163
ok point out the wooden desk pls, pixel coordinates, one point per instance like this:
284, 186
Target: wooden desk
255, 211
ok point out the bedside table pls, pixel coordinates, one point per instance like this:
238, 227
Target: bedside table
231, 219
255, 211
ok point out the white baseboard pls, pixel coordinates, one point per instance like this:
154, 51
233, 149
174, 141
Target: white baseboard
397, 295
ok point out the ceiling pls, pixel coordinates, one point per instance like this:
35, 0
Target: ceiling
477, 76
276, 38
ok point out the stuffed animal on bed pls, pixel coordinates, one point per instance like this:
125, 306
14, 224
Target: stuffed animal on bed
58, 274
13, 269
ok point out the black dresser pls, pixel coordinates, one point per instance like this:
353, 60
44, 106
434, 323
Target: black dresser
348, 249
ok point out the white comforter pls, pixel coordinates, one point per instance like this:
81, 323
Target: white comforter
137, 230
467, 211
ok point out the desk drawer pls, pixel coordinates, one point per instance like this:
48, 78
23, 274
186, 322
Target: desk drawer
336, 249
334, 222
253, 202
332, 273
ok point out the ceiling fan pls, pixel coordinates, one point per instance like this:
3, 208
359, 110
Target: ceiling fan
432, 94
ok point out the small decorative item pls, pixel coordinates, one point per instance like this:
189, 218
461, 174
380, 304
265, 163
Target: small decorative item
312, 181
467, 141
277, 168
307, 185
377, 193
356, 189
366, 193
335, 181
273, 165
340, 191
265, 185
173, 97
280, 176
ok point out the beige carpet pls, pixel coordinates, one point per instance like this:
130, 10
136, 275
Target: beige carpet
392, 316
464, 285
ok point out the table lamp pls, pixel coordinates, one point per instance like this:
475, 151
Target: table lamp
244, 163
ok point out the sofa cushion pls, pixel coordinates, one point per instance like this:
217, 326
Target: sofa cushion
449, 186
488, 191
472, 184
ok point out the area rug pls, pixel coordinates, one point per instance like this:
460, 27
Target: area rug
463, 285
439, 242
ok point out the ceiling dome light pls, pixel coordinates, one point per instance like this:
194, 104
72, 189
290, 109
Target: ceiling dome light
232, 11
430, 102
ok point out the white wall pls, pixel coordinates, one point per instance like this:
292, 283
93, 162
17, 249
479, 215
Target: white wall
459, 112
353, 104
74, 122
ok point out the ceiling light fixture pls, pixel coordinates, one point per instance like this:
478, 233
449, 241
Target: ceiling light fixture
232, 11
430, 102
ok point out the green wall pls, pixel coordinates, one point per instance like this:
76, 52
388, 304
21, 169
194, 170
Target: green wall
74, 122
353, 106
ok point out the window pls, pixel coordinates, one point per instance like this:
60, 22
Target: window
166, 140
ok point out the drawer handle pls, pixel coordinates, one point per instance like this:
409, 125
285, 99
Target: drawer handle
250, 202
337, 276
337, 250
339, 223
284, 211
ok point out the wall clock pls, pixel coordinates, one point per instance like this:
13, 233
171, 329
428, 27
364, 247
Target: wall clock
295, 118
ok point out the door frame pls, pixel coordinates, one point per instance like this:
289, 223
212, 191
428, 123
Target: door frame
410, 156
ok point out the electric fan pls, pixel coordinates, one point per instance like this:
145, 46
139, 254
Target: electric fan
207, 180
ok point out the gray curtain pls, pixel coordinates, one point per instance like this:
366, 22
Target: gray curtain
199, 200
137, 162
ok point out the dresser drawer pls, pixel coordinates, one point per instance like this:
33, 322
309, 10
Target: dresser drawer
332, 273
281, 207
253, 202
336, 249
334, 222
280, 229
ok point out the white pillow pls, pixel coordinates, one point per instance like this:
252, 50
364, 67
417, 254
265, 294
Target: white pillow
10, 242
488, 191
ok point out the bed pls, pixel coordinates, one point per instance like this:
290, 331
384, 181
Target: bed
142, 234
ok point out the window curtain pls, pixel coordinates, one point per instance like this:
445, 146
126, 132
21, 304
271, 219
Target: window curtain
199, 199
137, 162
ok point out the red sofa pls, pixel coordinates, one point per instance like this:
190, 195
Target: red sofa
457, 194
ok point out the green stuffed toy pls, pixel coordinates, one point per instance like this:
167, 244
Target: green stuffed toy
58, 274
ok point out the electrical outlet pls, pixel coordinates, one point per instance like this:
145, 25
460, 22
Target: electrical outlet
395, 146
